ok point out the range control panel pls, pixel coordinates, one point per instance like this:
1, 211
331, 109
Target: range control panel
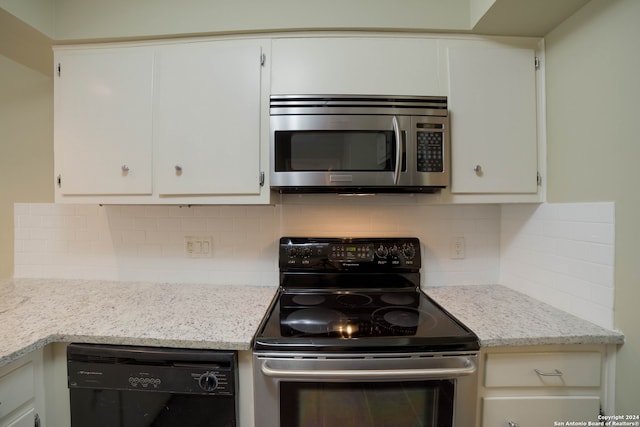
357, 253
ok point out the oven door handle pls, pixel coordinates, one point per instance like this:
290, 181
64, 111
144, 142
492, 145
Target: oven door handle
467, 367
399, 149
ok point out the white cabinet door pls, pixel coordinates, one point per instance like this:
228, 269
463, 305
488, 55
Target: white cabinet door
16, 388
103, 107
26, 419
538, 411
356, 66
492, 102
207, 118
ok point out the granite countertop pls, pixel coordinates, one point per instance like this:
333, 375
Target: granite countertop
503, 317
36, 312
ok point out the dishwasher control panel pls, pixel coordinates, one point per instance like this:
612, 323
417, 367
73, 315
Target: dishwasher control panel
211, 373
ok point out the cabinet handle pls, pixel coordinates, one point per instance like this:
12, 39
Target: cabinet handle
36, 421
477, 169
555, 373
125, 168
178, 170
512, 424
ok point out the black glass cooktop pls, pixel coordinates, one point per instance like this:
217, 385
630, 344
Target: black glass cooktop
356, 295
359, 319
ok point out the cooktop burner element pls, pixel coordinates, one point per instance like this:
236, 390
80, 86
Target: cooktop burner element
353, 300
309, 299
398, 298
356, 295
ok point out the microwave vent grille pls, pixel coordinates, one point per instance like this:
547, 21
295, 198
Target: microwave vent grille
354, 104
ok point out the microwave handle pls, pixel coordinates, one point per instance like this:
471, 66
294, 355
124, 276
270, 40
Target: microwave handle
399, 149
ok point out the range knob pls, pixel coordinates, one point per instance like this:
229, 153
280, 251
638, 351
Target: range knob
408, 250
382, 252
394, 251
208, 381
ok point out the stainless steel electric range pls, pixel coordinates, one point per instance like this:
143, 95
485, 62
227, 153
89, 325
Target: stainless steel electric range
350, 339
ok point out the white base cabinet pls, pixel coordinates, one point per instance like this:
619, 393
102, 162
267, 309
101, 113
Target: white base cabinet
22, 392
540, 386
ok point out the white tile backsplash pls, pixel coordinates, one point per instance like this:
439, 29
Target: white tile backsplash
147, 242
560, 253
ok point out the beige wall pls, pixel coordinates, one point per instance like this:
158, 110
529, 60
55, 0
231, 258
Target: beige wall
26, 131
594, 147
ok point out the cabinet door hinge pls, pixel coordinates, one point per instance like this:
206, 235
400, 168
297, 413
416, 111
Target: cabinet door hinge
263, 59
539, 179
261, 179
537, 62
58, 69
59, 181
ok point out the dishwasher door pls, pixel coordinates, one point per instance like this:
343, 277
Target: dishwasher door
126, 386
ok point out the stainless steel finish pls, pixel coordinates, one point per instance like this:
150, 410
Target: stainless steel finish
340, 178
512, 424
399, 149
466, 367
178, 170
125, 168
272, 368
355, 104
477, 168
403, 115
555, 373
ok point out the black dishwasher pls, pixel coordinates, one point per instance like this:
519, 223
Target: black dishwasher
131, 386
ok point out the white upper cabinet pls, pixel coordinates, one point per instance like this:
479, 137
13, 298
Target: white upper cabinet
356, 66
207, 118
182, 122
493, 110
103, 108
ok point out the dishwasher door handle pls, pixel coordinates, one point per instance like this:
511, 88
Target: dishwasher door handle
467, 367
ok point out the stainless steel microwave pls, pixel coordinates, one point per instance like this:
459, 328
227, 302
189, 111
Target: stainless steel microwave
359, 144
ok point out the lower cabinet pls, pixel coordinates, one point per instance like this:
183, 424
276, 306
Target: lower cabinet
542, 386
21, 391
535, 411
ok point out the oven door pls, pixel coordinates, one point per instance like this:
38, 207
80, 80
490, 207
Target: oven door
301, 390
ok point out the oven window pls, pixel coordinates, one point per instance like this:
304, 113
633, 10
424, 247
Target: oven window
387, 404
358, 151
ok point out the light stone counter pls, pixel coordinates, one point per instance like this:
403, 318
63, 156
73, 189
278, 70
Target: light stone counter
502, 317
36, 312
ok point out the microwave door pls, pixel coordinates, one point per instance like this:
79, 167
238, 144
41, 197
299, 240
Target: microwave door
338, 151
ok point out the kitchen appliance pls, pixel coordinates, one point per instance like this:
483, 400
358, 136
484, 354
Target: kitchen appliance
359, 144
127, 386
350, 339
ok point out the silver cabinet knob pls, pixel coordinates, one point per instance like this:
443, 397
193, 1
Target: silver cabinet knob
125, 168
477, 168
513, 424
178, 170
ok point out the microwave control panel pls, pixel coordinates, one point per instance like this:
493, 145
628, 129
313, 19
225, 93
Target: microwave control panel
429, 151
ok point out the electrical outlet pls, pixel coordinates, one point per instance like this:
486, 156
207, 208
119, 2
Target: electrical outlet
457, 248
198, 246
